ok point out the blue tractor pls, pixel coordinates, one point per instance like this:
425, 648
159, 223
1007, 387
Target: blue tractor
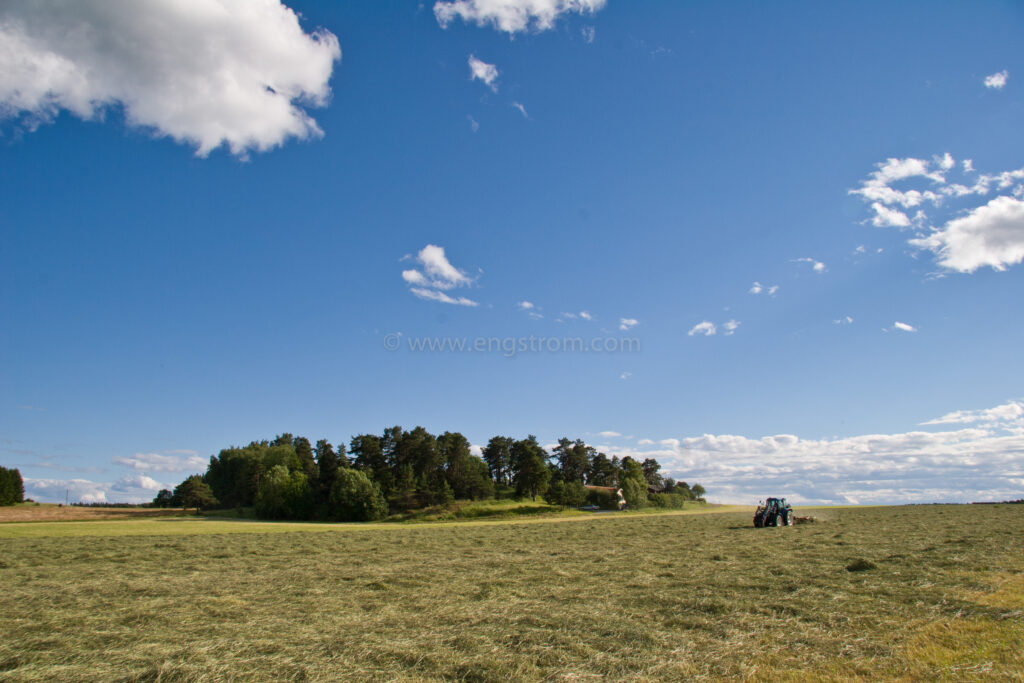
774, 512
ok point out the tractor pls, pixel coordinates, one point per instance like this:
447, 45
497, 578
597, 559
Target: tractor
774, 512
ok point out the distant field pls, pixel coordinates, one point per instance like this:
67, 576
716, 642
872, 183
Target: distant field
47, 512
937, 593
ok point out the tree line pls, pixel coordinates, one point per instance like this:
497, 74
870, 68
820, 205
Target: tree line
291, 478
12, 488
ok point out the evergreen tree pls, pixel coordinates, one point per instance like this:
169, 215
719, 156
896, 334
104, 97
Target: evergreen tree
650, 467
304, 452
573, 459
498, 456
12, 487
327, 468
529, 463
602, 472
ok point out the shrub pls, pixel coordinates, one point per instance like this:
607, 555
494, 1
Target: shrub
668, 500
606, 500
355, 498
635, 492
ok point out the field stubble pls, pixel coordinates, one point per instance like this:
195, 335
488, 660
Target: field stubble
938, 595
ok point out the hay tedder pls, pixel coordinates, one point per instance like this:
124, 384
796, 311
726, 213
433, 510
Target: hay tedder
774, 512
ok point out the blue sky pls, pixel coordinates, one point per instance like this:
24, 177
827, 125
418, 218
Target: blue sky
834, 189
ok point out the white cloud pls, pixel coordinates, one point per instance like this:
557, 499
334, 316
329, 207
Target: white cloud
757, 288
845, 320
706, 328
816, 266
415, 277
481, 70
903, 327
997, 80
626, 375
976, 463
522, 109
511, 16
473, 124
525, 305
434, 295
476, 450
586, 315
1009, 413
730, 327
885, 217
588, 33
609, 434
157, 462
438, 274
628, 323
990, 235
135, 488
207, 74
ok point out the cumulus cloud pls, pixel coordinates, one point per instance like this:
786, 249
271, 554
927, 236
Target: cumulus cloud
903, 327
628, 323
989, 233
730, 327
1008, 414
706, 328
511, 16
609, 434
233, 72
982, 462
482, 71
525, 305
625, 375
586, 315
437, 276
135, 488
157, 462
997, 80
845, 320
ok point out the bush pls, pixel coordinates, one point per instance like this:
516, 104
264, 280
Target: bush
567, 494
674, 501
355, 498
284, 495
635, 492
606, 500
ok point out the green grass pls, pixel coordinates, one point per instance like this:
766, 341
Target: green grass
630, 597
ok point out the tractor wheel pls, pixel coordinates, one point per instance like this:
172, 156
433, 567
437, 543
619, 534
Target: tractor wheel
790, 518
778, 520
757, 521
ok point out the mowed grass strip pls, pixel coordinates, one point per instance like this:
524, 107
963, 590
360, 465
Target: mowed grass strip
191, 524
639, 597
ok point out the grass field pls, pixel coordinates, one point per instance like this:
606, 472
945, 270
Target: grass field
938, 593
